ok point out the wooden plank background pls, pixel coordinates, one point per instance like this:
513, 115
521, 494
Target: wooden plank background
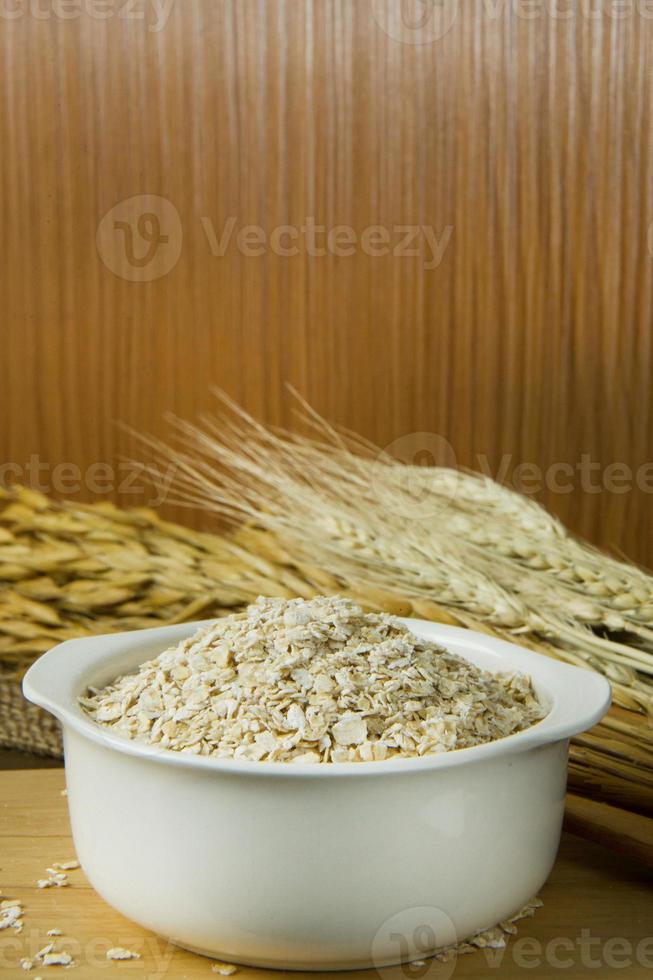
517, 134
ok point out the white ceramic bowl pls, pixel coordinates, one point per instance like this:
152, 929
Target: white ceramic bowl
303, 866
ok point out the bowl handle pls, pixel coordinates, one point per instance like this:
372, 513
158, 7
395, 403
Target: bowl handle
56, 679
580, 704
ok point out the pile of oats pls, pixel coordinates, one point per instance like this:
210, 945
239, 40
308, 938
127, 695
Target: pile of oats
313, 680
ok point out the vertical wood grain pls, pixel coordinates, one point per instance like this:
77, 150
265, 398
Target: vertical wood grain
529, 135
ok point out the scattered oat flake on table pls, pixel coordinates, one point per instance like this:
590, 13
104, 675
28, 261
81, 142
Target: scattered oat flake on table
54, 881
492, 938
54, 932
224, 969
58, 959
10, 903
27, 964
64, 792
10, 917
65, 866
120, 953
489, 938
49, 948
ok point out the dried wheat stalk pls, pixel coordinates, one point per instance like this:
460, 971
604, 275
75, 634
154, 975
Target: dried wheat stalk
74, 570
446, 545
70, 570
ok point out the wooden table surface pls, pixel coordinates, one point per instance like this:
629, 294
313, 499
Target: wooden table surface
597, 916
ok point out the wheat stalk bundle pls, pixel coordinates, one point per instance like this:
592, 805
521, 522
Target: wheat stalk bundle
446, 545
329, 514
70, 570
78, 569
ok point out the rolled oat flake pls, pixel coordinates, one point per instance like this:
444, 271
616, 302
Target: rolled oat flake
316, 680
